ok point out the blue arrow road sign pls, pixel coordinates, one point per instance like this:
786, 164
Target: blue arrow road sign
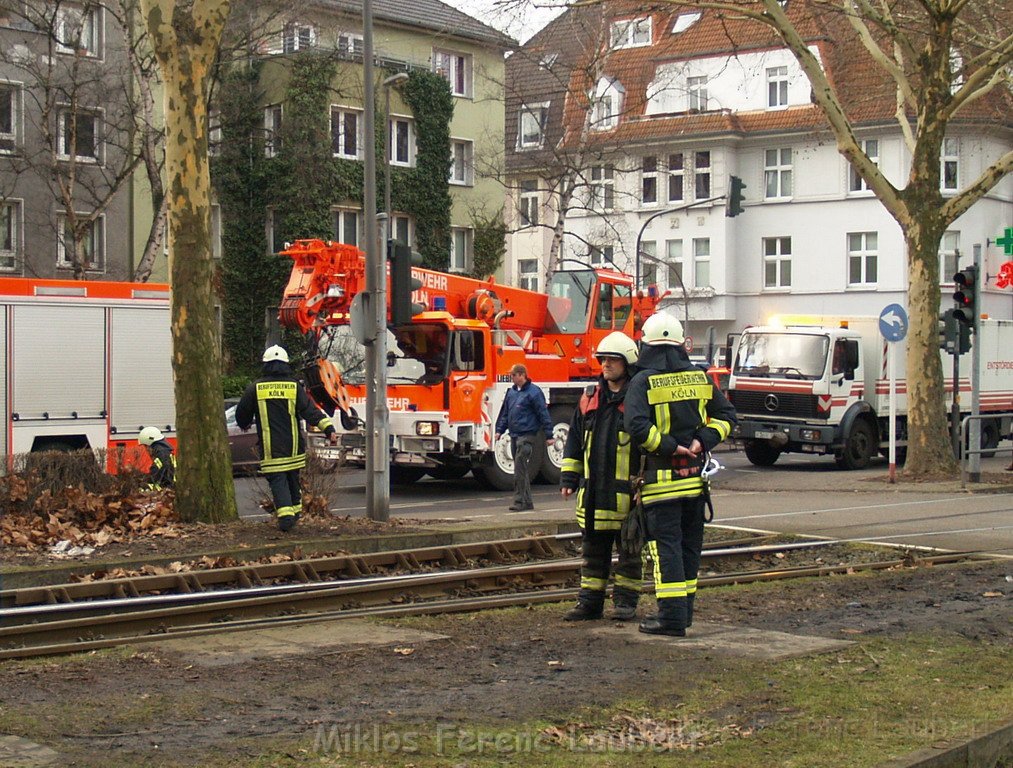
893, 322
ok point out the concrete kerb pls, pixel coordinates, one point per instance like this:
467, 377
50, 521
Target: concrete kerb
990, 750
60, 572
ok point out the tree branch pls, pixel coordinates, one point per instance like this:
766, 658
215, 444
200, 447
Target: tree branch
992, 175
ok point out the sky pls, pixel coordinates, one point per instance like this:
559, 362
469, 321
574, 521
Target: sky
518, 18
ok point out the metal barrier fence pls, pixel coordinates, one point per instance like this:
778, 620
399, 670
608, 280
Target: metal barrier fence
967, 451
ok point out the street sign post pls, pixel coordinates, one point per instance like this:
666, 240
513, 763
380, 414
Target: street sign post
893, 323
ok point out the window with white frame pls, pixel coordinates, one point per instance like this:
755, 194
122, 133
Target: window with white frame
701, 262
648, 262
601, 255
272, 130
350, 44
10, 116
631, 33
345, 132
529, 202
676, 177
78, 29
855, 182
696, 87
673, 256
455, 68
346, 225
10, 235
863, 258
401, 228
777, 262
777, 87
78, 135
949, 166
702, 175
777, 173
527, 274
461, 163
402, 141
606, 104
298, 36
949, 256
460, 249
93, 244
649, 180
602, 188
532, 125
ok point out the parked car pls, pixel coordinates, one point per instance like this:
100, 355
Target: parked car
243, 445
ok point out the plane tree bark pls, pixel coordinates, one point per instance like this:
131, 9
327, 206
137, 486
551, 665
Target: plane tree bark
185, 36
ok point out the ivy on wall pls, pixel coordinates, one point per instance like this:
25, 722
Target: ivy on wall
304, 181
489, 246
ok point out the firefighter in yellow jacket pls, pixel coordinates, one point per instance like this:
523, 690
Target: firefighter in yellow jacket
676, 416
596, 464
277, 401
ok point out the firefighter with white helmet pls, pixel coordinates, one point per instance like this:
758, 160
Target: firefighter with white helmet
675, 415
596, 465
162, 473
277, 401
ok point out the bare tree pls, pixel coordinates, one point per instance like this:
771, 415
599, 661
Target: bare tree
185, 37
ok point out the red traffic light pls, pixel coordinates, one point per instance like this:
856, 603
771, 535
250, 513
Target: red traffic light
966, 283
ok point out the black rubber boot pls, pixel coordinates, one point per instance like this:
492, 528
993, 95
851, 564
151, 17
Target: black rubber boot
624, 612
652, 626
286, 523
584, 612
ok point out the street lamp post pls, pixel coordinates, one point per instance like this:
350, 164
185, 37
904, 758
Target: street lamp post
394, 80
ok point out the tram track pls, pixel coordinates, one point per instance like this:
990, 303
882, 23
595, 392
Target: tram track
42, 627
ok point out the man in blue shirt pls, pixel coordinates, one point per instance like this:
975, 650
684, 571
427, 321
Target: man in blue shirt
524, 413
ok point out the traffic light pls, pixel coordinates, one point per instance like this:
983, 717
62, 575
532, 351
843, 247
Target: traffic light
735, 196
402, 284
966, 295
954, 336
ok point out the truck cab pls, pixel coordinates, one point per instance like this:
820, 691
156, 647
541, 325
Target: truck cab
801, 389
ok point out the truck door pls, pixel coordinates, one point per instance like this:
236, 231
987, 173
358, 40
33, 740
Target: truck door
468, 374
843, 364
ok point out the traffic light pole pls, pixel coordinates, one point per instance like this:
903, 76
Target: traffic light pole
377, 418
974, 433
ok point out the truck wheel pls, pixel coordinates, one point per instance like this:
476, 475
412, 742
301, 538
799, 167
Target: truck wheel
552, 458
406, 475
990, 438
859, 448
761, 453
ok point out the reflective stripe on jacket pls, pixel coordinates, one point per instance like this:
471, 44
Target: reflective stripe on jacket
597, 460
277, 401
670, 403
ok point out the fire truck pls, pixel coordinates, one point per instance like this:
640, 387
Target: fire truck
820, 385
86, 364
449, 367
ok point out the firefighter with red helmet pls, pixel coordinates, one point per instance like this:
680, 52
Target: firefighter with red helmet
277, 401
675, 415
596, 465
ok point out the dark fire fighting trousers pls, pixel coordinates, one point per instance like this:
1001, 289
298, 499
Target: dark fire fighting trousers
286, 492
674, 543
596, 549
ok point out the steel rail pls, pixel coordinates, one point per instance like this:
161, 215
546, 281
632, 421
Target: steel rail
551, 575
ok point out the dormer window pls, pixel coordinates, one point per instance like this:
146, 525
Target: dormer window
532, 125
299, 37
684, 21
631, 33
606, 104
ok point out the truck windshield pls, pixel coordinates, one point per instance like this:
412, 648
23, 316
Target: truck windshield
782, 355
417, 354
569, 299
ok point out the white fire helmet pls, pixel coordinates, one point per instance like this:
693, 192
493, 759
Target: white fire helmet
149, 435
275, 353
662, 328
617, 344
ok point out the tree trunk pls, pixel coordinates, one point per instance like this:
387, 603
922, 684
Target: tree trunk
185, 39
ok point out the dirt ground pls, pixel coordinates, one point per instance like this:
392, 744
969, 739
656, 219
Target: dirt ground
146, 707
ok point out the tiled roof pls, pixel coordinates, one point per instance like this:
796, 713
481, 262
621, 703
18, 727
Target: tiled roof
867, 94
429, 14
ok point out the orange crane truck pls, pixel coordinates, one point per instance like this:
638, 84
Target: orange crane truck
449, 367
